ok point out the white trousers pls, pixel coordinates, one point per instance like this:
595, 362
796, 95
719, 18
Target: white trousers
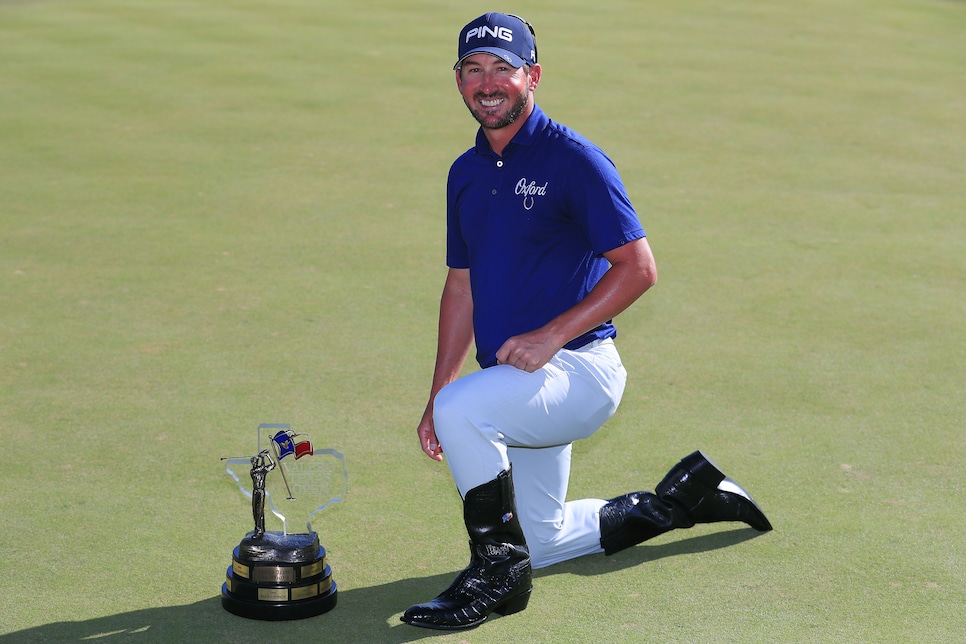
500, 416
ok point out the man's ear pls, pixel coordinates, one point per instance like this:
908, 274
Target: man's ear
535, 73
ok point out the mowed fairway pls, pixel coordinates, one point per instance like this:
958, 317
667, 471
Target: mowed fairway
219, 213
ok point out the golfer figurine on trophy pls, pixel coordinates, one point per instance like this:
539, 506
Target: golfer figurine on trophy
262, 464
280, 575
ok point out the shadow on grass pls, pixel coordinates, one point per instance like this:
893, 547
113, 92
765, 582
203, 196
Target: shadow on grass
599, 565
362, 614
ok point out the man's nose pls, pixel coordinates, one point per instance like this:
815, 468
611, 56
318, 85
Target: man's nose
487, 82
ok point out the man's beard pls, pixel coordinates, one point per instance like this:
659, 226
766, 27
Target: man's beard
518, 107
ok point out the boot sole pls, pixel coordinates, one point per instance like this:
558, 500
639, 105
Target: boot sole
514, 605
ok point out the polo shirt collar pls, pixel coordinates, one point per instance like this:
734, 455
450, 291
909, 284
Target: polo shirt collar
527, 135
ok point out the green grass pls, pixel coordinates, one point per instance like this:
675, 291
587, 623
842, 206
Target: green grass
217, 214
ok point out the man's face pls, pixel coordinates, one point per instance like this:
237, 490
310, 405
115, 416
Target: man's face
495, 92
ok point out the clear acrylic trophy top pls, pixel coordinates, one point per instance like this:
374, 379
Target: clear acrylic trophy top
298, 479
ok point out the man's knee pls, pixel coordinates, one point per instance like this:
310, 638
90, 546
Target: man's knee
448, 410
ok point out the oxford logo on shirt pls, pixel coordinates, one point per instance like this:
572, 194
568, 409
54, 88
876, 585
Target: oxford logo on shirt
530, 191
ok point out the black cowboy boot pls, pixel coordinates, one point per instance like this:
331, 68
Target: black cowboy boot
695, 491
498, 578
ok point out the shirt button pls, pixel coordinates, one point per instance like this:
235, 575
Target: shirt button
499, 164
493, 192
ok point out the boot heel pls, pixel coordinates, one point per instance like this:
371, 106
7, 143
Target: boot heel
516, 604
703, 469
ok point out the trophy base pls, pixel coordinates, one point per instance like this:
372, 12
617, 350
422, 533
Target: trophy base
278, 611
277, 577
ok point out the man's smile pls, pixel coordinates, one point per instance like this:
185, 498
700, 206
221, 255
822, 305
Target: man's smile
491, 102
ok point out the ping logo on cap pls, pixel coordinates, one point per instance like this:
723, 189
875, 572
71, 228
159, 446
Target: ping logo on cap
503, 33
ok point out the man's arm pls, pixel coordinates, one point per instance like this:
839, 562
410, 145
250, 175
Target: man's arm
453, 346
632, 272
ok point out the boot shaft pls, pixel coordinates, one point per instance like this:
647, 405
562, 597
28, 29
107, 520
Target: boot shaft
489, 512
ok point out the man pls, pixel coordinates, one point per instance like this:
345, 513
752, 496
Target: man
544, 249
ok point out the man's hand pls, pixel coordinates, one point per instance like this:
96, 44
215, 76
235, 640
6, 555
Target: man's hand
427, 437
528, 351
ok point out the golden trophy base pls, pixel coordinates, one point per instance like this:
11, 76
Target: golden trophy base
279, 577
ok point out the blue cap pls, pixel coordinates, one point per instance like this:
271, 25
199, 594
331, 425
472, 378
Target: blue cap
501, 34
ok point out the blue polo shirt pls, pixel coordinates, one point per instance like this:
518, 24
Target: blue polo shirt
532, 226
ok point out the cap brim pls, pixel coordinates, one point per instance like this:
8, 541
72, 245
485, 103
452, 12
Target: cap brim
508, 56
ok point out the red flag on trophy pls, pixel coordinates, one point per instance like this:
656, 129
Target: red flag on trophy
303, 448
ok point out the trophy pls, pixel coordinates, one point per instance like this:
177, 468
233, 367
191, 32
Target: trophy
282, 575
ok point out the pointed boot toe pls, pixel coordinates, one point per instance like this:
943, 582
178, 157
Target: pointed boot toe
733, 501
